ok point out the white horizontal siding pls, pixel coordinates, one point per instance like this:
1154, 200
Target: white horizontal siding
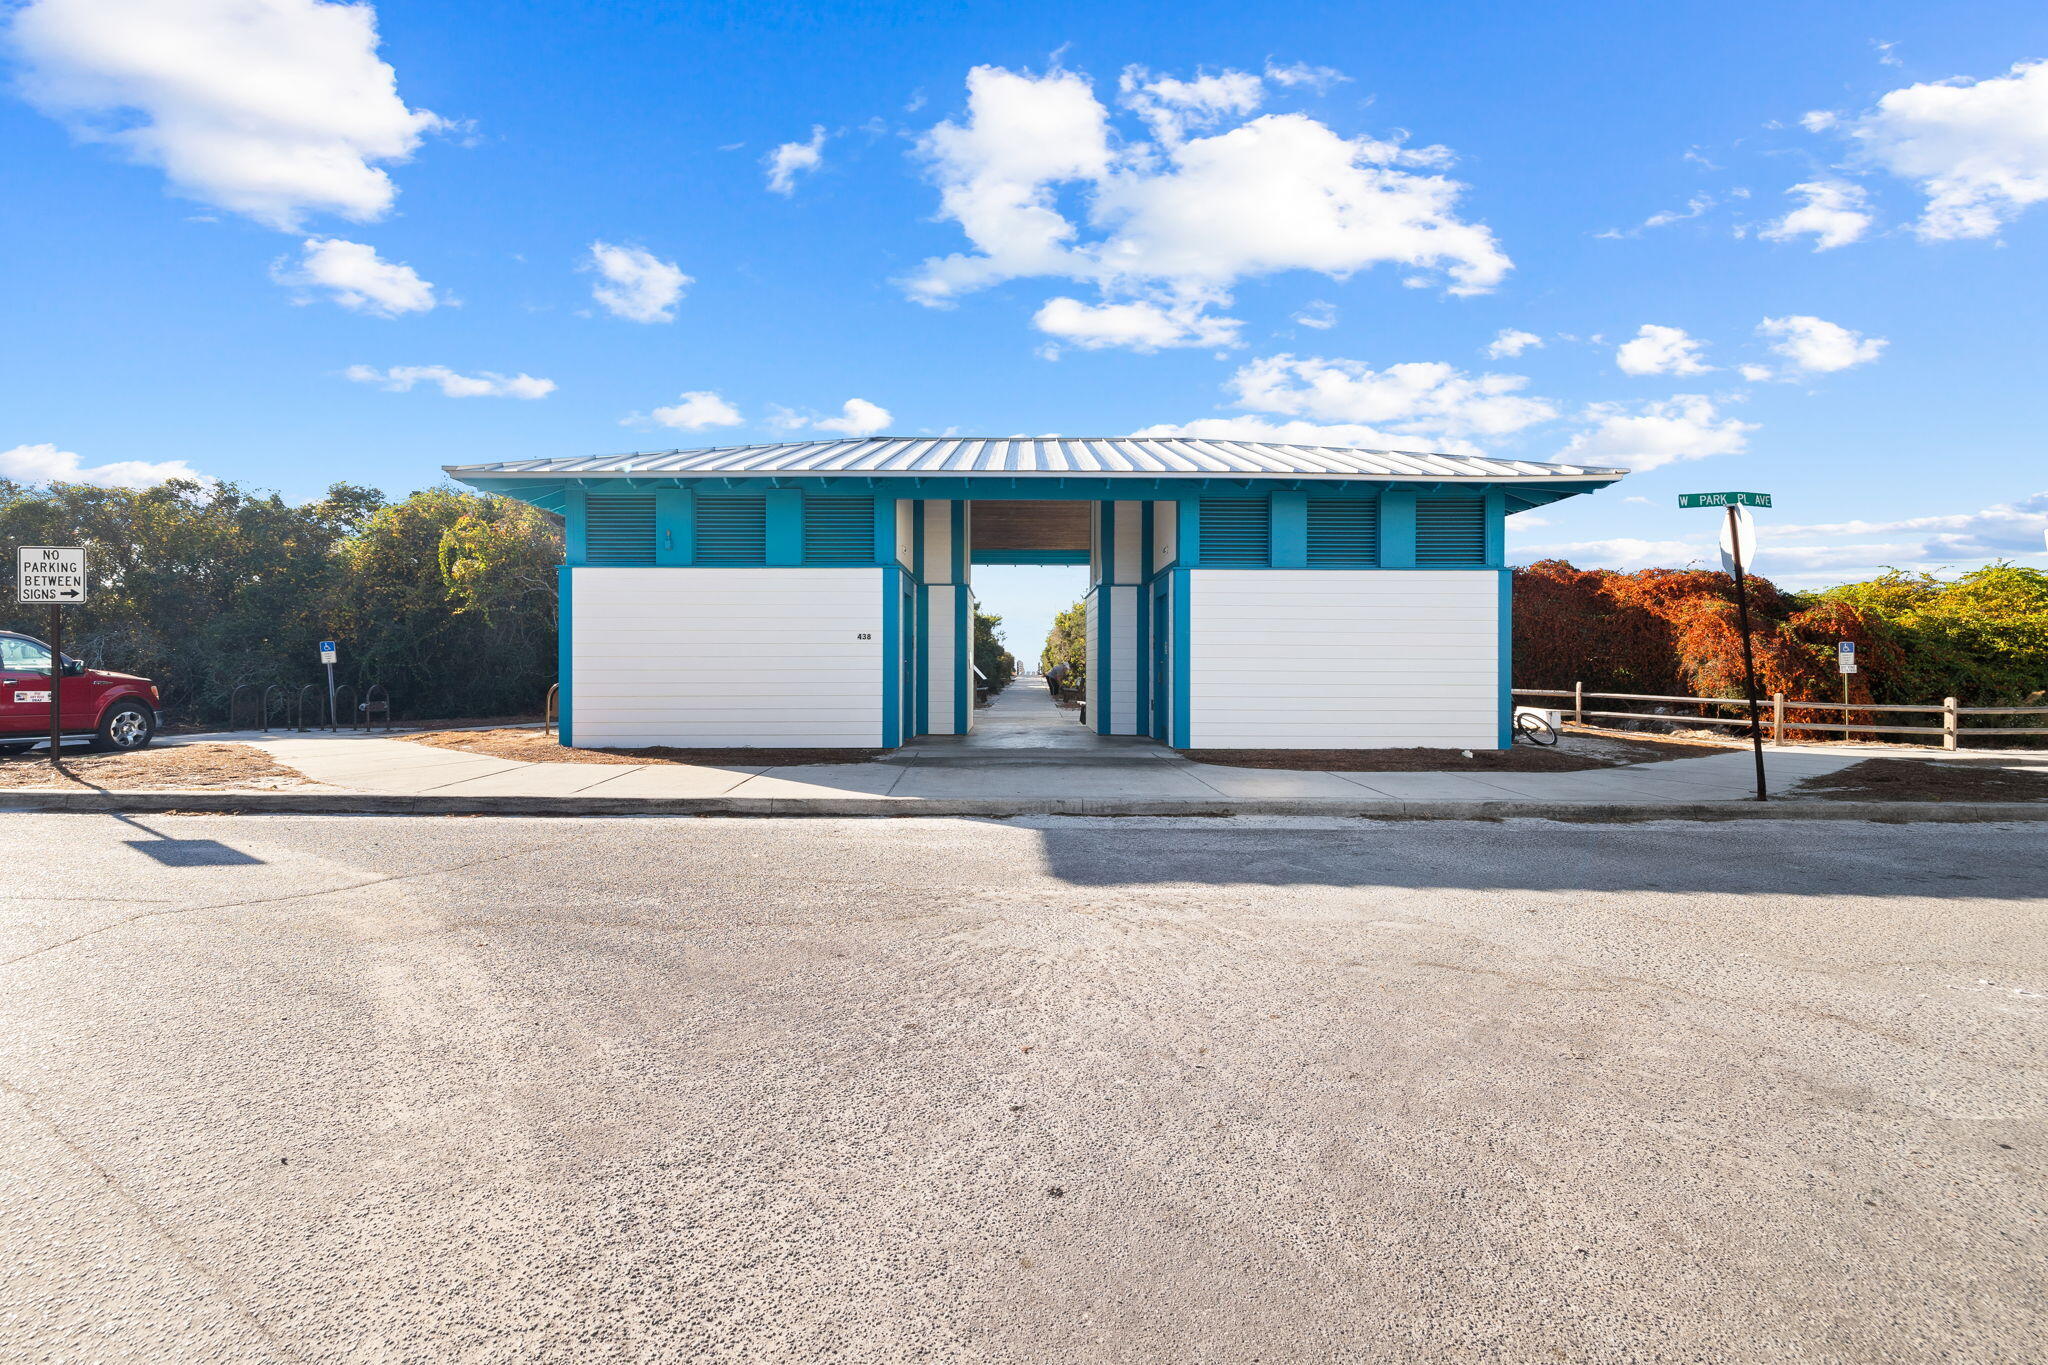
737, 657
1344, 659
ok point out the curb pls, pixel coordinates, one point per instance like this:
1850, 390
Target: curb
374, 803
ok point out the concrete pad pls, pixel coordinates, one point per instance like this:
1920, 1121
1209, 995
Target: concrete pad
540, 779
674, 779
1168, 781
1271, 782
418, 782
1426, 786
824, 780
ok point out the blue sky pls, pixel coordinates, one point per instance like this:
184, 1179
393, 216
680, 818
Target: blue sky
1796, 248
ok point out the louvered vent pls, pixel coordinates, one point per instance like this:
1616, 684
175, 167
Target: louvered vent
1343, 533
732, 530
839, 530
619, 529
1450, 531
1236, 531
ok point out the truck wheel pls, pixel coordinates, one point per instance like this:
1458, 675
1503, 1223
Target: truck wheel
127, 725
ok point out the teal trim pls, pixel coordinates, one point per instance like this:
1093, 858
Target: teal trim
885, 531
1496, 528
963, 657
958, 526
1142, 652
982, 556
921, 651
1187, 536
549, 493
1183, 654
785, 527
575, 527
1103, 666
1397, 530
892, 658
675, 526
917, 540
1160, 593
1288, 534
1507, 658
565, 655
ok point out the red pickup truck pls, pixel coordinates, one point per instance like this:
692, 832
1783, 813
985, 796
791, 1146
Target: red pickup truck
117, 709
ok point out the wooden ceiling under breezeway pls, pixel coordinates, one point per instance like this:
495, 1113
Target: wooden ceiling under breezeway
1028, 525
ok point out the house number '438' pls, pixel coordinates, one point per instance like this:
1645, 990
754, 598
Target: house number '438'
864, 635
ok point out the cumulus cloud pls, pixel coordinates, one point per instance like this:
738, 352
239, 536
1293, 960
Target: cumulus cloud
791, 159
1429, 399
1977, 149
1835, 213
1694, 207
356, 277
1353, 435
1140, 326
1316, 78
1660, 350
482, 384
1812, 346
1320, 314
634, 283
273, 109
857, 417
695, 410
45, 464
1621, 552
1177, 220
2004, 529
1647, 435
1508, 343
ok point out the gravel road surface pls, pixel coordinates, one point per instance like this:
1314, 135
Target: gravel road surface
386, 1089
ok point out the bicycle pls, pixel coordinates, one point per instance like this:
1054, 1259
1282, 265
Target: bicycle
1535, 729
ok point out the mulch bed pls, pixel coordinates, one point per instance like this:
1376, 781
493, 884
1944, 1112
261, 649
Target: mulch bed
1577, 754
534, 746
182, 767
1917, 779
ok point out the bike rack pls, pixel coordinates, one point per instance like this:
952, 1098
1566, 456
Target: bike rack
235, 704
551, 711
283, 708
376, 701
317, 691
334, 719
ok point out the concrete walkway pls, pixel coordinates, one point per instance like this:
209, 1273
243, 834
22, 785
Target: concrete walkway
1023, 749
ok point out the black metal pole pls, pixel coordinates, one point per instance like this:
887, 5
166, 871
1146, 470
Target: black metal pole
1756, 724
56, 681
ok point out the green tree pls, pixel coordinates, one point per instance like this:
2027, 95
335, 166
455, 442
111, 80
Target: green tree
1067, 643
998, 666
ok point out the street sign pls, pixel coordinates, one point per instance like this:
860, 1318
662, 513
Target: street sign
1738, 540
1724, 499
50, 575
1845, 656
328, 653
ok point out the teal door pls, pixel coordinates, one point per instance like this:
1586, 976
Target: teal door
1162, 655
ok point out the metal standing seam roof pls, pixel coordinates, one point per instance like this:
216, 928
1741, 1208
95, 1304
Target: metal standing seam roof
1111, 456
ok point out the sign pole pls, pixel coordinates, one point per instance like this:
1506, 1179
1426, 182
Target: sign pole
1756, 724
56, 683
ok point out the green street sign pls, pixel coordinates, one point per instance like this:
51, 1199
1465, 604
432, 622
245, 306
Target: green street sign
1724, 499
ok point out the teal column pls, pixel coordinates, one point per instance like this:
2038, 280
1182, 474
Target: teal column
576, 526
675, 527
1289, 530
785, 527
1496, 528
1397, 529
1187, 540
1105, 639
565, 657
885, 530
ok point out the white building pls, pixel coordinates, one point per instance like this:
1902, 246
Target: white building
1242, 595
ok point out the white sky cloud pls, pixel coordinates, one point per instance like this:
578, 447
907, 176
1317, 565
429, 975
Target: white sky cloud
1430, 400
356, 277
1641, 436
273, 109
1660, 350
1508, 343
1316, 78
696, 410
44, 463
482, 384
1180, 219
1977, 149
1621, 552
634, 283
1836, 213
1320, 314
857, 417
2007, 529
789, 160
1813, 346
1352, 434
1141, 326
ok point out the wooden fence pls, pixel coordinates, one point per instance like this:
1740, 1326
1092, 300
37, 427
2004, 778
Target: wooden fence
1951, 730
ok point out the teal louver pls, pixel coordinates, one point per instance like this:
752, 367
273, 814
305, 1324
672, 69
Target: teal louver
839, 530
619, 529
732, 530
1450, 531
1343, 533
1236, 531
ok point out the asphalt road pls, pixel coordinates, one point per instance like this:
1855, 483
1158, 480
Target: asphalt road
333, 1088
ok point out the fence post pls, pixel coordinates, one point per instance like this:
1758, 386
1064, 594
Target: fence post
1578, 702
1949, 723
1777, 717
